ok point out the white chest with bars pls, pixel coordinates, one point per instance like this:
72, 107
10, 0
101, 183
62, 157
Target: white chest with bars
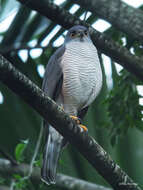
82, 79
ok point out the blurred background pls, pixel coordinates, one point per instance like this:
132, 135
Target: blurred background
28, 40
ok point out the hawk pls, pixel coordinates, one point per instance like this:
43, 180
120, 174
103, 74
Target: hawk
73, 79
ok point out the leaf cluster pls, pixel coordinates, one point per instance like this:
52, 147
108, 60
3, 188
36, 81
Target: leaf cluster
124, 109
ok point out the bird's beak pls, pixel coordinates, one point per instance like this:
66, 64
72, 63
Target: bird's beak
80, 34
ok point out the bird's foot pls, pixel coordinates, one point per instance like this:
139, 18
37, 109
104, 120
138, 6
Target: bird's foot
83, 127
78, 121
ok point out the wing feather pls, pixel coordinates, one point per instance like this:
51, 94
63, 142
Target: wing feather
52, 85
53, 78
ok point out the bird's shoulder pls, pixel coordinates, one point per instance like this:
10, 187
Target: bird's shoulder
57, 54
53, 72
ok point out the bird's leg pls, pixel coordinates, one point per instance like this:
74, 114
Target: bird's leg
78, 121
83, 127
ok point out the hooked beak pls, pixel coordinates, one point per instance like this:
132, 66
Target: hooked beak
80, 34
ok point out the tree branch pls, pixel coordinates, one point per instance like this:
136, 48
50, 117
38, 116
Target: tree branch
85, 144
122, 16
74, 183
9, 157
7, 49
2, 187
6, 168
106, 45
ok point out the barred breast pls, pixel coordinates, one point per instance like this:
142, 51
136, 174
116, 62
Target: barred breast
82, 76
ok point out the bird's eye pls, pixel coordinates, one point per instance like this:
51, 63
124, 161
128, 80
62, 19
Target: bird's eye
86, 32
73, 34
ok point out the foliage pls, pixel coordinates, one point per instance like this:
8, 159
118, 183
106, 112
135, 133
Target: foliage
124, 109
20, 183
19, 150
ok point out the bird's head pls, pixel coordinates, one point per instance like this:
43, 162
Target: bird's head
78, 33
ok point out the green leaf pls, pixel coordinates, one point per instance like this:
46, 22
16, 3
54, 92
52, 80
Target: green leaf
19, 150
37, 163
16, 176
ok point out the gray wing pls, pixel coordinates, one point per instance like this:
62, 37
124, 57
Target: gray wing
52, 85
53, 78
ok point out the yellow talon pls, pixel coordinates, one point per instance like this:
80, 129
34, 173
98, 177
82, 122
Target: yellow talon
83, 127
75, 118
79, 122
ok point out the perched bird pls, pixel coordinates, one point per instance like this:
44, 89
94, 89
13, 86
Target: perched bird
73, 78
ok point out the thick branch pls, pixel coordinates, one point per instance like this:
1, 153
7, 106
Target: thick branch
64, 181
106, 45
122, 16
49, 110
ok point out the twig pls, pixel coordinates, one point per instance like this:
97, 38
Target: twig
85, 15
7, 49
35, 154
9, 157
12, 185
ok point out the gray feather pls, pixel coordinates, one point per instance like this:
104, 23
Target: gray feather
52, 85
53, 73
51, 155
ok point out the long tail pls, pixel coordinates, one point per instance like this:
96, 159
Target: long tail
51, 156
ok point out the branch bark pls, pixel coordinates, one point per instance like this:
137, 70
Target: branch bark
122, 16
106, 45
85, 144
71, 183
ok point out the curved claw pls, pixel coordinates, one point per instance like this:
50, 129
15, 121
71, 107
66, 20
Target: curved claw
83, 127
78, 121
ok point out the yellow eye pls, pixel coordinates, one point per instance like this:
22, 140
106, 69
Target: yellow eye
73, 34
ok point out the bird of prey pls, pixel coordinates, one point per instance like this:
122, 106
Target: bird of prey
73, 78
